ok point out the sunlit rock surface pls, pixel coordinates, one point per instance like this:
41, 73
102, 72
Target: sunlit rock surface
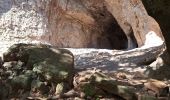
76, 24
104, 36
84, 24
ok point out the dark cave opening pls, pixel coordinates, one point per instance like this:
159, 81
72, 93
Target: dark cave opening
112, 37
115, 35
92, 26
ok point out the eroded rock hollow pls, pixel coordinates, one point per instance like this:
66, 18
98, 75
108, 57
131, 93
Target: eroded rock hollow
77, 23
84, 23
89, 22
62, 23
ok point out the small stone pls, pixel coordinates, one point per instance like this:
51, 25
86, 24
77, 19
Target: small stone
59, 88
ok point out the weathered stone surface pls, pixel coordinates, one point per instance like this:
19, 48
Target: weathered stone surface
77, 23
159, 10
36, 69
113, 24
113, 60
32, 71
134, 20
85, 23
62, 23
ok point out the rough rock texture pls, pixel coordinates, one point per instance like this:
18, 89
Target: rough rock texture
77, 23
94, 84
159, 9
114, 60
19, 19
35, 70
52, 21
84, 23
134, 20
111, 24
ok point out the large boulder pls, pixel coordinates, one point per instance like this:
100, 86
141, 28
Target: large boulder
35, 69
62, 23
109, 24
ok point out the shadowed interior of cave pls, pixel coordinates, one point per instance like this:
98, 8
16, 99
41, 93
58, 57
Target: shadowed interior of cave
113, 37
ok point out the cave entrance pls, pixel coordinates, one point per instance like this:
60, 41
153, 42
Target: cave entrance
112, 37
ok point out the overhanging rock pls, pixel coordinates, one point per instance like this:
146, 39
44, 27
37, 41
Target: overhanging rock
104, 24
134, 20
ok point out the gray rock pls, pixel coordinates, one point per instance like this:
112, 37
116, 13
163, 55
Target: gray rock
37, 68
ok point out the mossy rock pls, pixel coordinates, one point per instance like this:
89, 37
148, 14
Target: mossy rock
31, 66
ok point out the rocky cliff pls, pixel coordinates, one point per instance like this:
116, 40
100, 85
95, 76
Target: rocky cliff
77, 23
